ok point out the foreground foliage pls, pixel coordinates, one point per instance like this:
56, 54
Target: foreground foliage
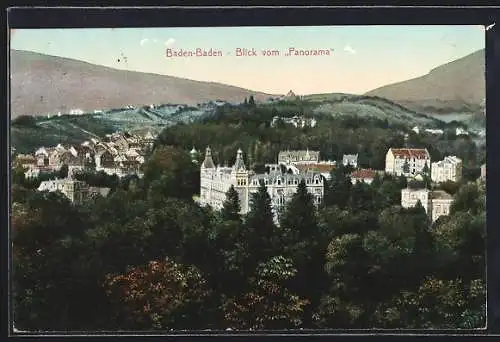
148, 257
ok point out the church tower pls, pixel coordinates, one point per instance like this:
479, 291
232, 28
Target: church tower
208, 163
241, 174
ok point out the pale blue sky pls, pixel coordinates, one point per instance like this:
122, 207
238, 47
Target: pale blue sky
364, 57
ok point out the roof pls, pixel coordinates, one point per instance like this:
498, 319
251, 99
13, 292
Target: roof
318, 167
418, 153
364, 174
239, 164
441, 194
45, 185
208, 162
274, 176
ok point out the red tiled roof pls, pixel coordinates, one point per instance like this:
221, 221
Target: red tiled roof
315, 167
418, 153
363, 174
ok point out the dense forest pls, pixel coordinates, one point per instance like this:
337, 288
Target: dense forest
148, 257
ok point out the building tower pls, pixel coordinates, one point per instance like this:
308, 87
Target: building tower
208, 163
241, 174
194, 155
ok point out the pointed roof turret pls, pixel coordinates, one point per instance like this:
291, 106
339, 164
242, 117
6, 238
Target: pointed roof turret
239, 164
208, 163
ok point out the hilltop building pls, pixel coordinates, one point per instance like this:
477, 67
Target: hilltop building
216, 180
406, 161
297, 121
436, 203
448, 169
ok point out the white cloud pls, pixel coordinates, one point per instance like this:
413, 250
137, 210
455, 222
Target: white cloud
155, 40
144, 41
349, 49
169, 41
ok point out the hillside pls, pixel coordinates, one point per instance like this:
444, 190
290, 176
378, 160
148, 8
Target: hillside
42, 131
42, 84
458, 86
28, 133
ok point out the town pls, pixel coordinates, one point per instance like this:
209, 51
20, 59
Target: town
122, 154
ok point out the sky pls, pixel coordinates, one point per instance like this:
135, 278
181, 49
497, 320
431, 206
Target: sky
361, 57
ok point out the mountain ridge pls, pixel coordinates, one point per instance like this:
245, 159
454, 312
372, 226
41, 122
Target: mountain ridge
43, 84
456, 85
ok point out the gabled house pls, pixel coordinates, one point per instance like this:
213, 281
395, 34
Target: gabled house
407, 161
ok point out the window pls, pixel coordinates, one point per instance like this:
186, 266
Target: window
279, 181
316, 181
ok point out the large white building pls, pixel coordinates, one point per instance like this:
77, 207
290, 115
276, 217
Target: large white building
436, 203
448, 169
298, 157
414, 158
215, 181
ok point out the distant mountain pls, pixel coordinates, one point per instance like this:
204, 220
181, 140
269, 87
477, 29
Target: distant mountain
452, 87
42, 84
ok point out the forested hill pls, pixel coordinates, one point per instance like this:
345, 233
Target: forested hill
249, 128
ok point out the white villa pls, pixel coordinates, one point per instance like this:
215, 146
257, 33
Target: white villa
448, 169
350, 159
436, 203
415, 158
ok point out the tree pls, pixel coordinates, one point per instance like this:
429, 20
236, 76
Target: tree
362, 198
63, 171
231, 207
406, 167
49, 283
426, 170
302, 242
436, 304
299, 218
468, 199
338, 188
269, 304
261, 235
377, 182
251, 101
341, 305
160, 295
171, 170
